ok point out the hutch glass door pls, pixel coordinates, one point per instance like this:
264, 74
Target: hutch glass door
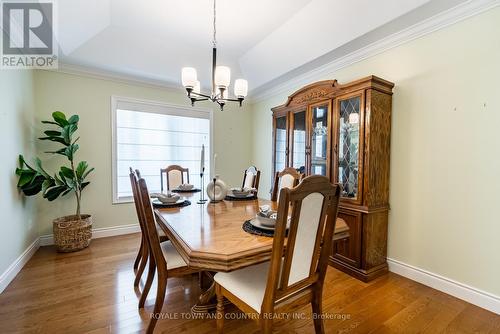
348, 146
319, 148
298, 140
280, 144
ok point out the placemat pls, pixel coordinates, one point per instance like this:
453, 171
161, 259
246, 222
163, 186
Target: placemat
249, 228
175, 205
231, 198
186, 191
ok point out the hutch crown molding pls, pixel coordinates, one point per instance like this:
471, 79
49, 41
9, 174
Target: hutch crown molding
343, 132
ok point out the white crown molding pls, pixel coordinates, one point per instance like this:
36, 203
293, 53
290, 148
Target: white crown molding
286, 85
10, 273
103, 232
434, 23
462, 291
136, 80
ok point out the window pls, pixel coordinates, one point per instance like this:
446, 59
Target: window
149, 136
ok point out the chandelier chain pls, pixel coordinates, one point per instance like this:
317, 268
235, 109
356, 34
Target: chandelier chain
215, 30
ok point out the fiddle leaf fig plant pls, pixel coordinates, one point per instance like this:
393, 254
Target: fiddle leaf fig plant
34, 179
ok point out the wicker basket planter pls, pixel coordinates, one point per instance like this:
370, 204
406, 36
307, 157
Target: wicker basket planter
71, 234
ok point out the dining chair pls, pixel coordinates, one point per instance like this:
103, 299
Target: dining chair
296, 272
165, 258
287, 178
251, 178
174, 176
143, 253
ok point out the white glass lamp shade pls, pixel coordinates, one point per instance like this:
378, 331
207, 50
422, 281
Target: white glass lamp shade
354, 118
189, 77
197, 87
222, 76
240, 88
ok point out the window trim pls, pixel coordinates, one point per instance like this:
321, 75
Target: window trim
154, 107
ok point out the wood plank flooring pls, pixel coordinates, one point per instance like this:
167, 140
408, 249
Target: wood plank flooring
92, 292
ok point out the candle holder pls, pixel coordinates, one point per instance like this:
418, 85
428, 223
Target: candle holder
202, 199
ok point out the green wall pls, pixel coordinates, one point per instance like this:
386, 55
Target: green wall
91, 99
17, 112
445, 148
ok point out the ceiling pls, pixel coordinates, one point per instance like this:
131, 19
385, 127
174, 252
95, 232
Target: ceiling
260, 40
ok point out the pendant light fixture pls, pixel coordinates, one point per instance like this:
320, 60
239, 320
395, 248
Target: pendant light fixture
221, 79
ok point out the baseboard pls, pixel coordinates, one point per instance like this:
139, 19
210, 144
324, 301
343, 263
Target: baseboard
470, 294
11, 272
47, 240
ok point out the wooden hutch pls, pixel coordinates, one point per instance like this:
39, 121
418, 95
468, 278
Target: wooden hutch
344, 132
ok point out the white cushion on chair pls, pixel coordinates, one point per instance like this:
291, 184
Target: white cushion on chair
248, 284
249, 180
160, 232
305, 240
286, 181
174, 179
173, 258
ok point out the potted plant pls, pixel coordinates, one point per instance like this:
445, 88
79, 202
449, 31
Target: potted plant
71, 233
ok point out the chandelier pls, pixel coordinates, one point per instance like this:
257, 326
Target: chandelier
221, 78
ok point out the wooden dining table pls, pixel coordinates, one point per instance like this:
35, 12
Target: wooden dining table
210, 237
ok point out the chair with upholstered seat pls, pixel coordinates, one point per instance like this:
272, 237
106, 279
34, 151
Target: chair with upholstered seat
165, 258
251, 178
287, 178
174, 176
143, 253
296, 273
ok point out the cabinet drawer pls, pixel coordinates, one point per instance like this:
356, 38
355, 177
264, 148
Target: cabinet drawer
348, 249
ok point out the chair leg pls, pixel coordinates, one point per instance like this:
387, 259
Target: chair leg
138, 257
149, 281
266, 325
220, 309
160, 298
317, 308
144, 259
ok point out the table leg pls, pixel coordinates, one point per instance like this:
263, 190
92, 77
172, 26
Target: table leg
207, 302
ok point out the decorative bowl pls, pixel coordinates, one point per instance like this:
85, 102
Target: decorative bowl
239, 192
268, 218
186, 186
169, 198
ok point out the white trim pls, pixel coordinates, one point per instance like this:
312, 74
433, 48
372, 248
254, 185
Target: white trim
446, 18
11, 272
103, 232
157, 107
462, 291
439, 21
130, 79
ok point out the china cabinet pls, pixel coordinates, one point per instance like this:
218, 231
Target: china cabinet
343, 131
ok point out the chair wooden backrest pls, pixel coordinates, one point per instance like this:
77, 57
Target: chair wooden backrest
300, 267
137, 201
287, 178
174, 176
251, 178
150, 225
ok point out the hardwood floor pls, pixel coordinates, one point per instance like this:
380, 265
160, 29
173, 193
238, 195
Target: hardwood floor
92, 292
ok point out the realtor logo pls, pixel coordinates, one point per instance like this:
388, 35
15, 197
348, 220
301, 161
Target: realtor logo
28, 35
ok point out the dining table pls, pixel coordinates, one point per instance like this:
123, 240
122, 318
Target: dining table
210, 237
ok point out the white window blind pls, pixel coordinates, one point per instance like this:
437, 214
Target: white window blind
149, 136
